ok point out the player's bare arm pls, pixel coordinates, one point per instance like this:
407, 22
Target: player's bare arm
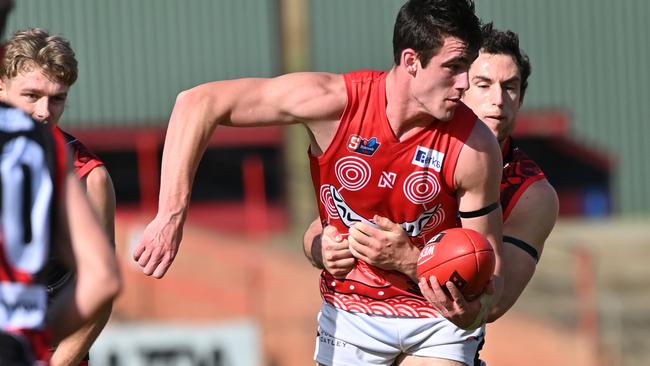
85, 248
529, 223
477, 178
311, 243
316, 100
101, 194
327, 249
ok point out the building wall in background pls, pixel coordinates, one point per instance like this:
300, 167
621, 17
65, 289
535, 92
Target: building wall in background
589, 59
135, 56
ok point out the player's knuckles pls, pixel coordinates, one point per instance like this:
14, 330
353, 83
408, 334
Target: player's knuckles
330, 230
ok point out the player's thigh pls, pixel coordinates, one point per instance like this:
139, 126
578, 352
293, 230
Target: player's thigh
409, 360
351, 339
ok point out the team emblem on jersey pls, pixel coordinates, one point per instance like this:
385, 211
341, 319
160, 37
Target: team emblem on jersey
387, 180
428, 158
363, 146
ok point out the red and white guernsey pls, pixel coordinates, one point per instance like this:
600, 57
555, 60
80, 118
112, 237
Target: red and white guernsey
32, 165
367, 171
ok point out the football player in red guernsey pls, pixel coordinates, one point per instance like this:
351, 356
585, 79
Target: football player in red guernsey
36, 73
498, 80
399, 143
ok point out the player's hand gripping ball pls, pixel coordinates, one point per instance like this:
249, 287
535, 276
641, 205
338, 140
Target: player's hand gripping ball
462, 256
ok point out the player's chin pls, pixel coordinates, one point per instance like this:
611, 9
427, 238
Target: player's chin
447, 113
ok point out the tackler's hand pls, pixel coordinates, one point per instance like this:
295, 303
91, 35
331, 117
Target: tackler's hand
337, 258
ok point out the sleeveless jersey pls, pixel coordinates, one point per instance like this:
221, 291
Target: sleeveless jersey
519, 172
366, 171
32, 166
55, 274
83, 159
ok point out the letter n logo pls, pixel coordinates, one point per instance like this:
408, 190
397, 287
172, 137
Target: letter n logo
387, 180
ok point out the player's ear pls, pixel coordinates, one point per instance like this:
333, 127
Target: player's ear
409, 61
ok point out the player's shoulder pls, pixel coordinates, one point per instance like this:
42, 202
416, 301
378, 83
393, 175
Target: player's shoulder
325, 81
481, 141
539, 202
309, 96
98, 179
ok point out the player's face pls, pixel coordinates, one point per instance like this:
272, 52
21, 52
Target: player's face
35, 93
438, 88
495, 92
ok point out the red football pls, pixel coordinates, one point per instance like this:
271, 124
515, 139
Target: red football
462, 256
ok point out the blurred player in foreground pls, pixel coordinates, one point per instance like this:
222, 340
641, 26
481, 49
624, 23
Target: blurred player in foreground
44, 210
498, 81
36, 73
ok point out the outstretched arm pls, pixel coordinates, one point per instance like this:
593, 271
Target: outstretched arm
308, 98
71, 350
530, 222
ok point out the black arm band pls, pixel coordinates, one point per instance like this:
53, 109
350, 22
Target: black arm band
523, 246
480, 212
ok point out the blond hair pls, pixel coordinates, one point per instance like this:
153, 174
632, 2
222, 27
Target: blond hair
35, 47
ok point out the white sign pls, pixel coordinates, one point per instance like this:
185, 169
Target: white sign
222, 344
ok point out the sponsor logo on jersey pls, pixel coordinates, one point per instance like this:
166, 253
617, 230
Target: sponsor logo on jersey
22, 305
363, 146
387, 180
428, 158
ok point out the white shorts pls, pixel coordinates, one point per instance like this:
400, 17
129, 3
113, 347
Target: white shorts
354, 339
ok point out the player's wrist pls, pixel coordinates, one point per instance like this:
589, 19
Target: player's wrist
486, 301
409, 264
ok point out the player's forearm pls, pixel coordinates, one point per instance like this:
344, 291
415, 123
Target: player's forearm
191, 125
311, 244
72, 349
410, 268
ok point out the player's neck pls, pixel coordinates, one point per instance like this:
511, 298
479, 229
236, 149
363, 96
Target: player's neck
403, 116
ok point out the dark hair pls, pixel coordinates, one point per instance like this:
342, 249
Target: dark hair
498, 42
423, 24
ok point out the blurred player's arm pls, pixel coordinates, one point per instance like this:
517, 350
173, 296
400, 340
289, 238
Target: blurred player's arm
83, 245
327, 249
305, 98
101, 194
529, 223
477, 179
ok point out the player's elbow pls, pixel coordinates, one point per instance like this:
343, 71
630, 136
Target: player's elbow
105, 279
496, 312
111, 283
197, 95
